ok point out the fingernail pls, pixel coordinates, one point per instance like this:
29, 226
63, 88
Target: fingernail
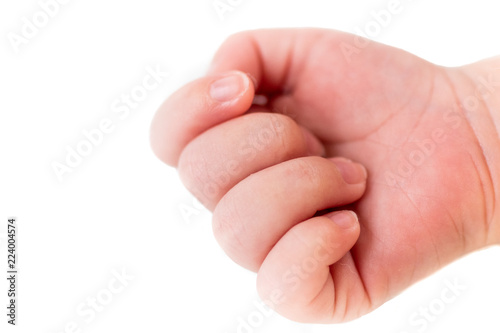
344, 219
229, 86
352, 173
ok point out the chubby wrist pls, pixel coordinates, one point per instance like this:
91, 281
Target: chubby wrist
482, 103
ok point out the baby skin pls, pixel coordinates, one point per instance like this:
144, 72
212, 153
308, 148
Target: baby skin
340, 170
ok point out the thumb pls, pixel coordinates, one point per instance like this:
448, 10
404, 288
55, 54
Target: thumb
196, 107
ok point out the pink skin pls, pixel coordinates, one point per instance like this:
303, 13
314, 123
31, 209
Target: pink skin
267, 173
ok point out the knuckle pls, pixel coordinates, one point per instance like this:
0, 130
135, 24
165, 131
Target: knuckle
194, 172
283, 131
191, 168
227, 225
304, 170
287, 136
237, 37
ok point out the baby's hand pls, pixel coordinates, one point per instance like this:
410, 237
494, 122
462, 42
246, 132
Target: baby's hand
271, 172
259, 172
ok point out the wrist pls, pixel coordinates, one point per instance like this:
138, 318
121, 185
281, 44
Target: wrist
481, 103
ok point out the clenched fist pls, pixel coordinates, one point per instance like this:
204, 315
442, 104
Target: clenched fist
340, 182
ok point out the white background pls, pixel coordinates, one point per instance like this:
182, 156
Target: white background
120, 209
